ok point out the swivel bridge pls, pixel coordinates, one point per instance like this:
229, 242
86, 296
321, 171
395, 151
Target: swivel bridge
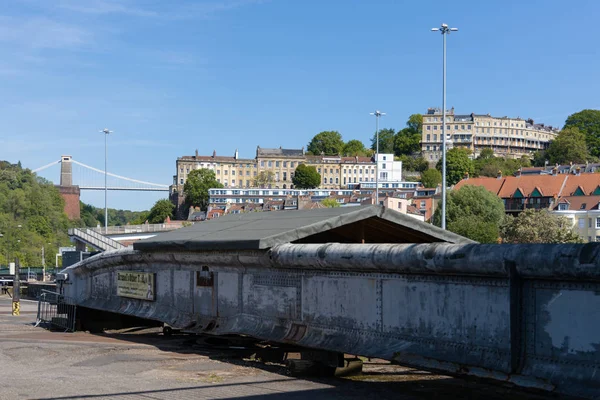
367, 281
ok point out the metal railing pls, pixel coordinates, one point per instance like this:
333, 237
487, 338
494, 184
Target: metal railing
56, 310
143, 228
95, 239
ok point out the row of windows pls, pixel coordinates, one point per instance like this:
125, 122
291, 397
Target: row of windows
590, 221
449, 127
279, 163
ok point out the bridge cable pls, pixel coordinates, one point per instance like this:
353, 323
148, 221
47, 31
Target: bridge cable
121, 177
46, 166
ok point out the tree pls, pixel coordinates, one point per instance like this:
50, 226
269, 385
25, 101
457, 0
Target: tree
568, 146
160, 211
588, 123
415, 123
264, 179
386, 141
330, 203
533, 226
474, 212
431, 178
197, 185
306, 177
407, 142
329, 143
354, 148
413, 163
539, 158
458, 164
486, 154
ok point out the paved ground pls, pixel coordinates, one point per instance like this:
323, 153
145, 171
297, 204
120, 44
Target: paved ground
38, 364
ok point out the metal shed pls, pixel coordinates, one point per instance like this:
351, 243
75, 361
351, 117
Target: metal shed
263, 230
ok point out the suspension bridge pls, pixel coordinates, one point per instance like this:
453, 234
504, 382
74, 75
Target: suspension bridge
75, 173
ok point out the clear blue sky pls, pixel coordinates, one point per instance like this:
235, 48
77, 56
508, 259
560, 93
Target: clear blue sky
173, 76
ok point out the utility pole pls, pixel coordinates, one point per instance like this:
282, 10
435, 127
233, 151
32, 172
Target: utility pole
43, 265
106, 133
444, 30
377, 114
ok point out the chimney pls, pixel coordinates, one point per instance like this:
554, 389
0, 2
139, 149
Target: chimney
578, 171
302, 150
466, 175
499, 175
236, 154
518, 173
554, 171
214, 153
196, 153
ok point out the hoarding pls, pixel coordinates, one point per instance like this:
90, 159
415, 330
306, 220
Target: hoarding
136, 285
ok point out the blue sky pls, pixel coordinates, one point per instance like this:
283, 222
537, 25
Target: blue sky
169, 77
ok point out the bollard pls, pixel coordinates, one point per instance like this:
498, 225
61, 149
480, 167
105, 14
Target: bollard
16, 304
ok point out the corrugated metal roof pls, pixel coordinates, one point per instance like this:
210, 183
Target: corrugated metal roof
248, 231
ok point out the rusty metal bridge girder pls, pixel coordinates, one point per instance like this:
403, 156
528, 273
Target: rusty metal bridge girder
528, 314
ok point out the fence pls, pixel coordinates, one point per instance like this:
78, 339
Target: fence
56, 310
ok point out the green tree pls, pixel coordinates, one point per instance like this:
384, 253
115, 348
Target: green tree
413, 163
330, 203
458, 164
386, 141
568, 146
588, 123
486, 154
264, 179
197, 185
407, 142
306, 177
533, 226
160, 211
431, 178
354, 148
474, 212
415, 123
329, 143
539, 158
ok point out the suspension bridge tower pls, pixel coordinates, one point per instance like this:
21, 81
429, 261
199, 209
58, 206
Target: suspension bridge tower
69, 192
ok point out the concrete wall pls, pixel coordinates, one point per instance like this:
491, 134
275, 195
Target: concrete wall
528, 314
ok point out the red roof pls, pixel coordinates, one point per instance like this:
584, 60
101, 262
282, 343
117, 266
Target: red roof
548, 185
491, 184
588, 183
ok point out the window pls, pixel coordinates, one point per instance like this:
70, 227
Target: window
233, 182
233, 172
435, 128
270, 164
384, 158
581, 223
330, 180
247, 183
428, 127
428, 137
277, 163
337, 181
597, 222
247, 173
285, 176
181, 181
181, 170
262, 163
469, 127
422, 205
589, 222
383, 166
292, 163
225, 172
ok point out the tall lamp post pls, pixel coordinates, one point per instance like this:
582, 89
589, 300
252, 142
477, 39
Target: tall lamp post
106, 133
377, 114
444, 30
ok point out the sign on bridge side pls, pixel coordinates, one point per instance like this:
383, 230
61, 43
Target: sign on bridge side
136, 285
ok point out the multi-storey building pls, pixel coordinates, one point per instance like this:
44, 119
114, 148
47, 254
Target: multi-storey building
336, 172
507, 137
281, 162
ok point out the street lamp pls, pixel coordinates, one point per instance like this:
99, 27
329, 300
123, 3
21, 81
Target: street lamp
377, 114
444, 30
106, 133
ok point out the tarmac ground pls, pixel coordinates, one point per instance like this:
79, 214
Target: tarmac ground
37, 363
